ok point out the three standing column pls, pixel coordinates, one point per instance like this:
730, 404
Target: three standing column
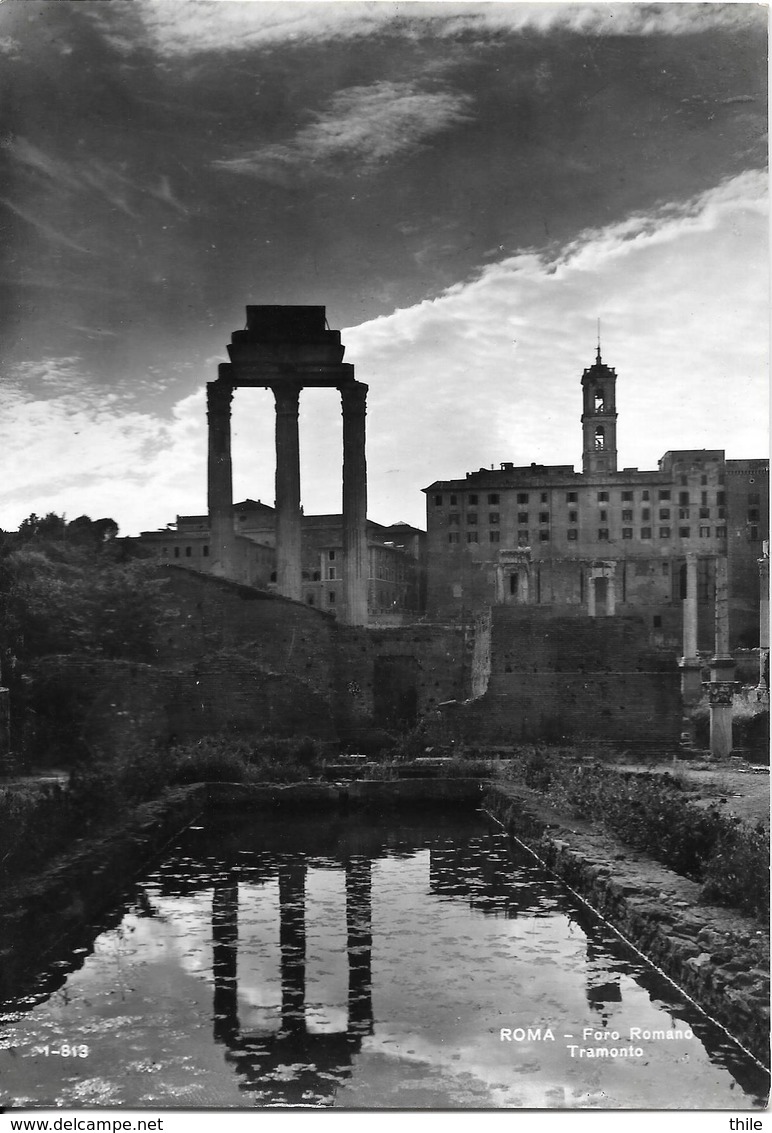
691, 666
288, 536
355, 556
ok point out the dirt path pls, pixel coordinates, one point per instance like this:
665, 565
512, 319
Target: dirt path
741, 791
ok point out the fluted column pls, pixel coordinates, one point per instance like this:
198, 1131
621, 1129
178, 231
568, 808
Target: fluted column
288, 537
355, 561
220, 479
721, 684
691, 687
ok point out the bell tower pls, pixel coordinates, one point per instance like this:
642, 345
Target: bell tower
599, 418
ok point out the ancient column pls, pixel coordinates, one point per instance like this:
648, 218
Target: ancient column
591, 594
611, 593
762, 689
721, 686
355, 560
220, 479
288, 569
691, 686
360, 942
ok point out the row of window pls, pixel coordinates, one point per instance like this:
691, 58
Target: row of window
494, 518
572, 534
663, 495
188, 552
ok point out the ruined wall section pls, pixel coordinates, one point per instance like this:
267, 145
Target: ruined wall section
554, 678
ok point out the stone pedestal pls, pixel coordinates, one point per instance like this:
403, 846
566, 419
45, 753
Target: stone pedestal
220, 479
288, 535
355, 554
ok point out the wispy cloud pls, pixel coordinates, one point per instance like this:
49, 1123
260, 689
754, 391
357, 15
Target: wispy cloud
369, 124
46, 229
187, 27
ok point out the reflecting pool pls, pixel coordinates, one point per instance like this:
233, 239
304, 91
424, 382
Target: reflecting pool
367, 963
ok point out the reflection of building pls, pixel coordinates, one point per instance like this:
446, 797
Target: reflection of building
319, 1062
605, 540
393, 554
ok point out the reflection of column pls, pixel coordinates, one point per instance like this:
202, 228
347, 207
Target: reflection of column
360, 941
225, 938
356, 567
721, 684
763, 685
591, 594
292, 943
220, 478
611, 595
691, 688
288, 572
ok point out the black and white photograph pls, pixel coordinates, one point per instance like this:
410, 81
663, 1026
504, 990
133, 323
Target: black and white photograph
384, 561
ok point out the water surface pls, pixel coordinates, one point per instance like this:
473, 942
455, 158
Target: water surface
356, 964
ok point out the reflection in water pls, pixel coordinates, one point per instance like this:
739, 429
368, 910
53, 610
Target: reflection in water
329, 963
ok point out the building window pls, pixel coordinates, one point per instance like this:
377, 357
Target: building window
664, 513
721, 533
331, 598
627, 515
471, 537
627, 532
704, 498
684, 479
603, 534
544, 517
316, 576
664, 532
331, 573
645, 513
522, 497
721, 498
753, 515
494, 536
522, 538
721, 513
493, 498
721, 478
602, 497
572, 534
454, 537
176, 552
331, 555
453, 519
645, 494
473, 499
704, 513
656, 621
703, 479
494, 517
704, 533
684, 532
188, 552
600, 438
453, 501
544, 536
544, 497
683, 499
603, 515
438, 501
753, 534
645, 533
683, 513
522, 517
572, 497
627, 497
205, 551
472, 518
664, 494
572, 516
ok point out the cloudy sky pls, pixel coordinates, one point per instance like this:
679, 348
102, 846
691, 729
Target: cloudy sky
466, 187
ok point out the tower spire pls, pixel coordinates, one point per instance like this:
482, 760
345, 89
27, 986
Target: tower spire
598, 358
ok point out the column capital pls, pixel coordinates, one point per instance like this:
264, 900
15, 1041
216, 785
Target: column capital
219, 395
287, 395
353, 396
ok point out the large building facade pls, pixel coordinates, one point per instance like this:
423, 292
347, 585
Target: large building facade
605, 540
